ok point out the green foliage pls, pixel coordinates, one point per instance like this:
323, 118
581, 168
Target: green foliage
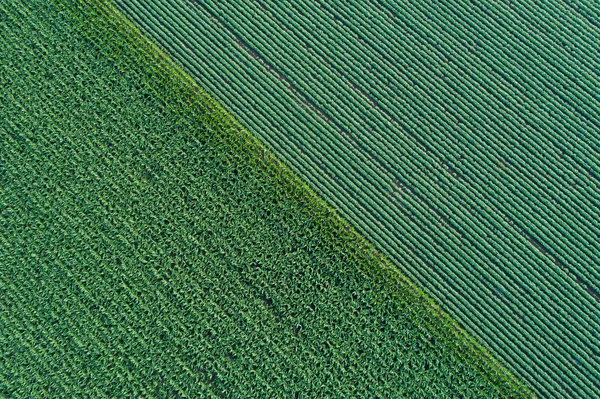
459, 136
150, 247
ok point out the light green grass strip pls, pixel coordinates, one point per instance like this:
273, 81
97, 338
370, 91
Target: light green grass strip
151, 247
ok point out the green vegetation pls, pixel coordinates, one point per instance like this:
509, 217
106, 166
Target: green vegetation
150, 247
461, 137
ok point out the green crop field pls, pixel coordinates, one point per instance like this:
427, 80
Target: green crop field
151, 247
461, 137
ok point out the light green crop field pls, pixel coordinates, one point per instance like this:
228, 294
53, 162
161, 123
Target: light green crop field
460, 137
151, 247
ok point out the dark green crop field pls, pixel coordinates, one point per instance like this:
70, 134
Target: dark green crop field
151, 247
461, 137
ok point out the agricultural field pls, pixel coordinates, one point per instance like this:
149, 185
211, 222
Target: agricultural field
461, 137
150, 246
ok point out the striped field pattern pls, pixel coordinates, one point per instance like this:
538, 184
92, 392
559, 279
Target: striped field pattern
462, 137
150, 247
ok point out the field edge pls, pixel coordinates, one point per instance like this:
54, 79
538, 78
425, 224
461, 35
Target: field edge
101, 19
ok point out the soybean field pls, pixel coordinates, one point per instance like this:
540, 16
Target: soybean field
150, 246
461, 137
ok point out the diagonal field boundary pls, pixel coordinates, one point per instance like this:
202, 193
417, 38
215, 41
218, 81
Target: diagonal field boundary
462, 137
151, 247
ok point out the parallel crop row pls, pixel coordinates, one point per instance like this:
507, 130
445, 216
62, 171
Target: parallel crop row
460, 137
151, 247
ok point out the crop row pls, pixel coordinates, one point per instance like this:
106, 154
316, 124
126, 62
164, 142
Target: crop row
145, 252
459, 137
